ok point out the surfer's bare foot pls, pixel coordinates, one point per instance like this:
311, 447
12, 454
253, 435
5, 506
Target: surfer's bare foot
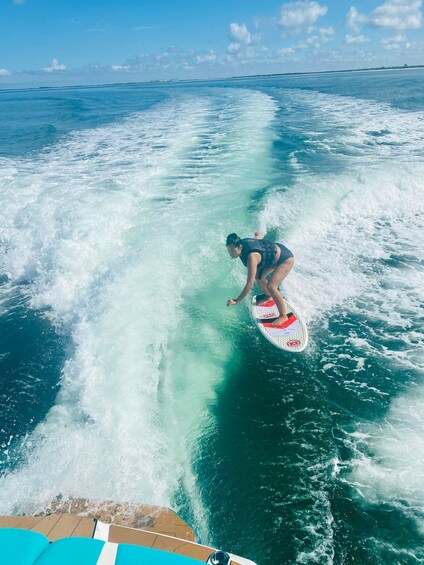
280, 320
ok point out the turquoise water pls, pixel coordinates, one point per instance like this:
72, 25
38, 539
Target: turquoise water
123, 375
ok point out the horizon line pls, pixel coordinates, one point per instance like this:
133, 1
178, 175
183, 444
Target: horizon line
235, 77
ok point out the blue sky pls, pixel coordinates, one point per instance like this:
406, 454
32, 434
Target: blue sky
46, 42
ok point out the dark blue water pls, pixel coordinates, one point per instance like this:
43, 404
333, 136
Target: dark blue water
32, 357
50, 114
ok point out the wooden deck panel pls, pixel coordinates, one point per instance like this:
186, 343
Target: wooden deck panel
168, 544
53, 526
84, 529
64, 527
119, 534
21, 522
46, 524
195, 551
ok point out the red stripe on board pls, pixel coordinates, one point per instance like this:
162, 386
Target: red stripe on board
285, 324
266, 304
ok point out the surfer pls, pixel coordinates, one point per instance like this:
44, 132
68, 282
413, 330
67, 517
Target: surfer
262, 257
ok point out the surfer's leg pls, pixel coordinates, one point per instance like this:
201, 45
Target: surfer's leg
263, 283
279, 274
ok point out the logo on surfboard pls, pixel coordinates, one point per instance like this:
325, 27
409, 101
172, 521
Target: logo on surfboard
293, 343
269, 315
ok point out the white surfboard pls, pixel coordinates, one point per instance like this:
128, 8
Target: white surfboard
292, 335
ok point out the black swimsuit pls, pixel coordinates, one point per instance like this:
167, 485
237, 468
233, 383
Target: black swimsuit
267, 250
284, 255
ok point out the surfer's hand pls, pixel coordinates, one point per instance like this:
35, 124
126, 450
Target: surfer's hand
231, 302
258, 235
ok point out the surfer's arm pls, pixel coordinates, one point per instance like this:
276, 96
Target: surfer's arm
252, 267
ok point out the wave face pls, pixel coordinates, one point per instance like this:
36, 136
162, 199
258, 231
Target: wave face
140, 385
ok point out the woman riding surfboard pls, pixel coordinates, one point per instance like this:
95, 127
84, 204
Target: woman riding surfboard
262, 257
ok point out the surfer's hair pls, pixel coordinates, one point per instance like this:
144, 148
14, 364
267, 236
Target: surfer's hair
233, 239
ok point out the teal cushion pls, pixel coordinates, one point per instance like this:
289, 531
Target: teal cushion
20, 547
72, 551
137, 555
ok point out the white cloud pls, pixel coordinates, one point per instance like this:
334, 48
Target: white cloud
241, 47
240, 33
120, 67
163, 55
394, 42
355, 20
55, 66
326, 34
172, 62
4, 73
207, 57
398, 14
298, 16
233, 48
285, 51
244, 53
356, 39
395, 39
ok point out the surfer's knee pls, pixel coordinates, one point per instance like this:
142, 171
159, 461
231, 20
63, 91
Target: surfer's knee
272, 287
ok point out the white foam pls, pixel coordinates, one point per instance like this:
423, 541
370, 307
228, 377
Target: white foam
394, 472
341, 225
114, 229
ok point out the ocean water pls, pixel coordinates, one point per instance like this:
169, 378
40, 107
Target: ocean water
122, 373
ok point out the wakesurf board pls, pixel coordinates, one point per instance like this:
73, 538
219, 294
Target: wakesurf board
291, 335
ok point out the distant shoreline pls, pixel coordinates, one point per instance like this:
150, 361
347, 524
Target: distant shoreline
238, 77
366, 69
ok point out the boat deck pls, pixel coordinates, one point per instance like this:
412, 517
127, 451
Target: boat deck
64, 525
54, 526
